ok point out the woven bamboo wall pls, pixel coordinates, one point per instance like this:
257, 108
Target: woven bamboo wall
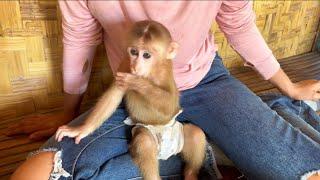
31, 48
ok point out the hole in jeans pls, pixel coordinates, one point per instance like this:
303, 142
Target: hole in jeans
57, 170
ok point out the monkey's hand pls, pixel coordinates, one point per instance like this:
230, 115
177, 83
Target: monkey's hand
130, 81
78, 132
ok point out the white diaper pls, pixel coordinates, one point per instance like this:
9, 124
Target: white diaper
169, 137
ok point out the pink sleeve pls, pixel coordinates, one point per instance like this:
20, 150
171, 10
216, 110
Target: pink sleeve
237, 20
81, 35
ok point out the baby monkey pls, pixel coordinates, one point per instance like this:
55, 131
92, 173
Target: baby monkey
145, 79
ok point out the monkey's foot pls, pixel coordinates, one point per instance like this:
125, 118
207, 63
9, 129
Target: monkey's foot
190, 175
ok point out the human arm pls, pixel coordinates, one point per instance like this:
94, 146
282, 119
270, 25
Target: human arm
237, 20
303, 90
81, 35
34, 125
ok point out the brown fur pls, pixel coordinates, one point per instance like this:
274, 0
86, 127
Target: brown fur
157, 102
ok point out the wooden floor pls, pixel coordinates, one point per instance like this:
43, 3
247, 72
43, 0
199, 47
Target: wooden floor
13, 150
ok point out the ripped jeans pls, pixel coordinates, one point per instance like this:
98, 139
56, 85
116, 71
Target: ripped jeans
261, 143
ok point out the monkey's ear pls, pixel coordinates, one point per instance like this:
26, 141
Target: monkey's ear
172, 50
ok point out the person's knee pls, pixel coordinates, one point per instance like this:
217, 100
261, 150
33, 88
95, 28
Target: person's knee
37, 167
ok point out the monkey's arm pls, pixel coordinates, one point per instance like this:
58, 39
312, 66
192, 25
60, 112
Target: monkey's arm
105, 107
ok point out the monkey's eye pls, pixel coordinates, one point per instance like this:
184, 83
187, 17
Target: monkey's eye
134, 52
146, 55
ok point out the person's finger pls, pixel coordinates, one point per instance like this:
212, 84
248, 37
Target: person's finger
39, 135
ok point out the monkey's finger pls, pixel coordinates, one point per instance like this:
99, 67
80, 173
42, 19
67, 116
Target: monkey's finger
64, 134
60, 136
57, 134
121, 74
79, 137
123, 87
59, 131
121, 84
133, 71
119, 79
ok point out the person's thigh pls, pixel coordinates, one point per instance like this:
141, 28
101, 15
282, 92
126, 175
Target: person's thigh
104, 153
261, 143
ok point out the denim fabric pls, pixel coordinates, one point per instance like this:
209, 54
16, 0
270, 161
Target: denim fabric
299, 114
260, 143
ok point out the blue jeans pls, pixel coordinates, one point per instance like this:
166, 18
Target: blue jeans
297, 113
260, 142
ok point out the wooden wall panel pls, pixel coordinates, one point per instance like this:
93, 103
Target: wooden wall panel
31, 49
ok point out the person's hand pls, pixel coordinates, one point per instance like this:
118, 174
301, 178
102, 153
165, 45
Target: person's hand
78, 132
306, 90
39, 127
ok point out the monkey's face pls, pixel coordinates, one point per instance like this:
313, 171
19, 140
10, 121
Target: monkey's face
144, 57
142, 60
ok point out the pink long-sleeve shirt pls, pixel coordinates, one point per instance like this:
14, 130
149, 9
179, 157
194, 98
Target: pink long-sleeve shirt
86, 23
